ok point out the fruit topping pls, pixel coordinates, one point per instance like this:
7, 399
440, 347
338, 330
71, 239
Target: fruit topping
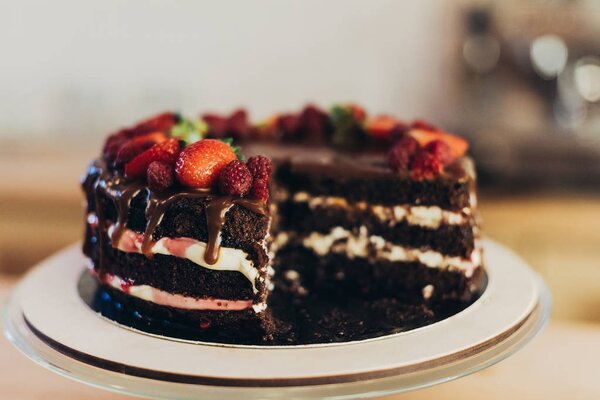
347, 124
130, 150
422, 124
441, 150
235, 179
217, 124
112, 146
235, 125
260, 190
160, 175
458, 145
425, 165
199, 164
260, 167
358, 113
166, 151
313, 124
382, 126
288, 124
400, 156
161, 122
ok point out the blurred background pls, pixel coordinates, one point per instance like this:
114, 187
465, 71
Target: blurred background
520, 79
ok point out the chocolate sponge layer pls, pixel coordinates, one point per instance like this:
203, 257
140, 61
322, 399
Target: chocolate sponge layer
181, 276
336, 273
373, 186
454, 240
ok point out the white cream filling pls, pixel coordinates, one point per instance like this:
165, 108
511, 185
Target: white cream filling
229, 259
426, 216
342, 241
148, 293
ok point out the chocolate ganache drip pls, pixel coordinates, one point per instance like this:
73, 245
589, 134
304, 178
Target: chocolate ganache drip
122, 192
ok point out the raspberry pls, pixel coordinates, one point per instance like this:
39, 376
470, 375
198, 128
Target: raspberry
399, 157
260, 167
237, 124
313, 124
425, 165
160, 175
217, 125
288, 124
235, 179
260, 190
441, 150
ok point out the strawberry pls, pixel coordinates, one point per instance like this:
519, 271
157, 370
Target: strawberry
130, 150
422, 124
358, 112
161, 122
199, 164
166, 151
381, 126
112, 146
458, 145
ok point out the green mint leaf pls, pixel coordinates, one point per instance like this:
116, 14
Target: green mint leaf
189, 131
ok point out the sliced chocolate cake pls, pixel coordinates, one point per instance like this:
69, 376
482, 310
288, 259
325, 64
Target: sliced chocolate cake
192, 254
364, 214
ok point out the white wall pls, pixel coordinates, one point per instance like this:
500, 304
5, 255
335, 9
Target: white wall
84, 67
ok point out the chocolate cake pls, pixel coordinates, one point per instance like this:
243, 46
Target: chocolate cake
355, 213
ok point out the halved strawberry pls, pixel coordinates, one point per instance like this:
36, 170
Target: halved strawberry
162, 122
458, 145
381, 126
132, 147
199, 164
166, 151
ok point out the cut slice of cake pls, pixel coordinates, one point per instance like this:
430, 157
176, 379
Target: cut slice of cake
166, 243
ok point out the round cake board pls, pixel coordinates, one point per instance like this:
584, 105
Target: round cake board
48, 321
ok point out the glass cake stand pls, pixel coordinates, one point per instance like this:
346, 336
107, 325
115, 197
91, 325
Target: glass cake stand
61, 333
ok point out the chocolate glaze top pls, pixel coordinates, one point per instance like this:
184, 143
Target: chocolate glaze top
122, 192
328, 161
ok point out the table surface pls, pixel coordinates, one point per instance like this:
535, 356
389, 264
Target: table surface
561, 363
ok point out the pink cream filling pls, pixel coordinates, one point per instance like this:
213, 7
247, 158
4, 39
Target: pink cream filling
163, 298
131, 242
